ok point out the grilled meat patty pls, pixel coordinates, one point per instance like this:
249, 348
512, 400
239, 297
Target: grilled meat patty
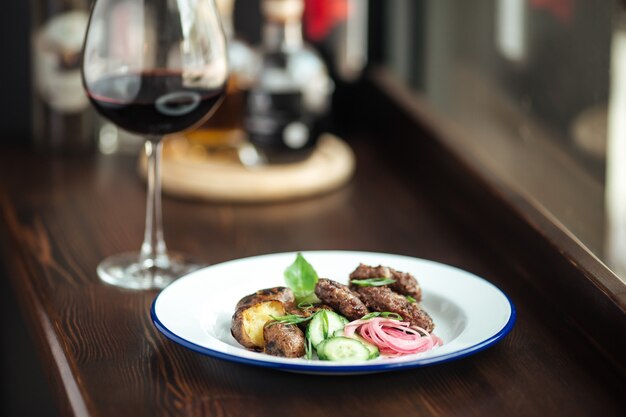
286, 340
340, 298
405, 283
282, 294
383, 299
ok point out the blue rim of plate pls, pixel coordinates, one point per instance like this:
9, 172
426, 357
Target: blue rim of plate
339, 369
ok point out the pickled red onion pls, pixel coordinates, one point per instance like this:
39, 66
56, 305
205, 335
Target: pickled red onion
393, 337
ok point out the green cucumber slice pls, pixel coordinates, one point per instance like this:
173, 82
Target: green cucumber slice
374, 352
323, 325
343, 349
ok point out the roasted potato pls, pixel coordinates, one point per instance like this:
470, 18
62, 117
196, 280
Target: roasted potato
282, 294
286, 340
248, 322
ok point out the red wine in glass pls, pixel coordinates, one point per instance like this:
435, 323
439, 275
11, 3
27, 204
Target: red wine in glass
160, 103
153, 67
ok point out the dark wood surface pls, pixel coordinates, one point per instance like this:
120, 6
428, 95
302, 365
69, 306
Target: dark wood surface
59, 216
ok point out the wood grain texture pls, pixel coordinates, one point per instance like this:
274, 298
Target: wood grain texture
60, 216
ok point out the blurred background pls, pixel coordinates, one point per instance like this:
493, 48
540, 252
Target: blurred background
511, 84
516, 83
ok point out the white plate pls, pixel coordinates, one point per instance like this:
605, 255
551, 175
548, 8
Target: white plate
470, 314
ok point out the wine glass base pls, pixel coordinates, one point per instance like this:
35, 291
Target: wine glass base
124, 270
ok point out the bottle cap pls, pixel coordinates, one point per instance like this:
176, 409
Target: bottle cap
283, 10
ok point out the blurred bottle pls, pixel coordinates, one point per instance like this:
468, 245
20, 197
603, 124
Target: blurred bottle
290, 96
224, 128
63, 119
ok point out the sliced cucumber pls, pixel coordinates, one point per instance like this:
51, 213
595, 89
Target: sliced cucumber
373, 349
374, 352
323, 325
320, 350
343, 349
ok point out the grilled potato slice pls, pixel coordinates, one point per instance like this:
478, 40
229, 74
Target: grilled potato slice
248, 322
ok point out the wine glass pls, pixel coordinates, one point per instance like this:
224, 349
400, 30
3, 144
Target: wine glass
153, 67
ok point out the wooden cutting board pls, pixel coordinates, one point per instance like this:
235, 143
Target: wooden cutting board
220, 176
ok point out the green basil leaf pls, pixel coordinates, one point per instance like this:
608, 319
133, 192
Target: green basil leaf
310, 299
301, 278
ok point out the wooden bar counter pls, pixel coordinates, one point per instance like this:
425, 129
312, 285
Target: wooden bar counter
61, 215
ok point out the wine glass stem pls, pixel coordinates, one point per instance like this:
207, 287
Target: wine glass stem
153, 250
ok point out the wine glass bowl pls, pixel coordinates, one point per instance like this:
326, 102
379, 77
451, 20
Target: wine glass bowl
153, 67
